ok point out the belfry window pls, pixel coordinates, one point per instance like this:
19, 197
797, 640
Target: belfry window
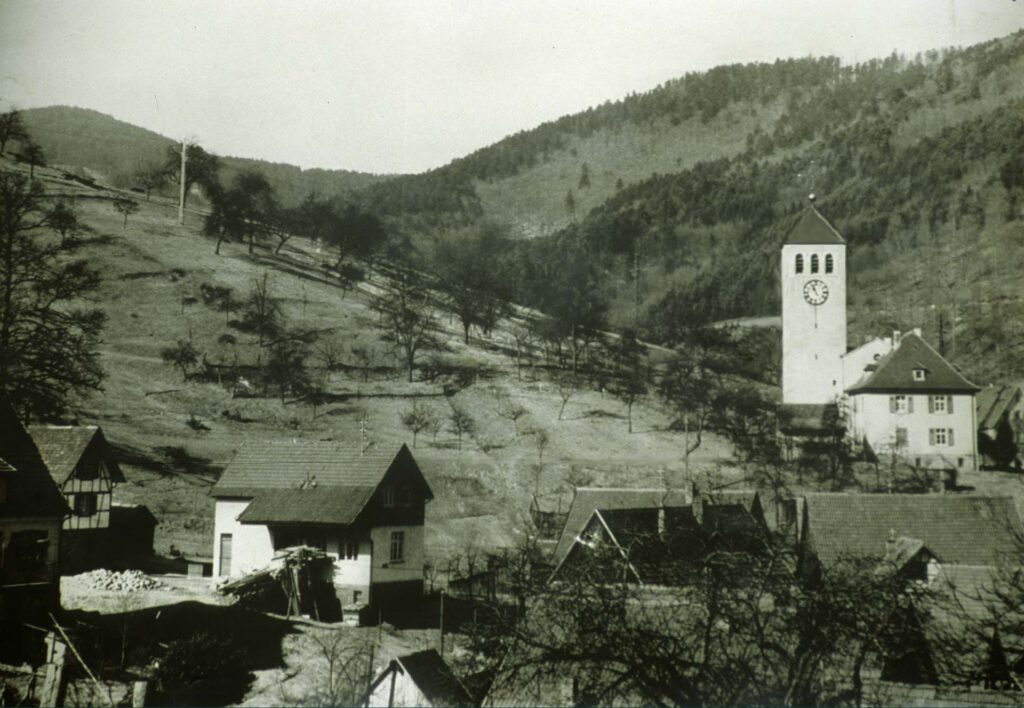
829, 264
799, 263
814, 262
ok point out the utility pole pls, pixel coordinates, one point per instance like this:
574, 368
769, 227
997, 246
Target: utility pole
441, 623
181, 191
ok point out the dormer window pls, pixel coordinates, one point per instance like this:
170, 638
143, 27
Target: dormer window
814, 262
919, 375
799, 263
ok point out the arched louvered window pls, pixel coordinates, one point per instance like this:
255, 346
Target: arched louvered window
829, 264
814, 262
799, 263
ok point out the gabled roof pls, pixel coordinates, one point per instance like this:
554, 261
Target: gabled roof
589, 499
304, 481
62, 447
960, 529
5, 467
31, 492
434, 678
813, 228
895, 371
992, 402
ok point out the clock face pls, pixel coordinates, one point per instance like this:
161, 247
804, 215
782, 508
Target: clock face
815, 292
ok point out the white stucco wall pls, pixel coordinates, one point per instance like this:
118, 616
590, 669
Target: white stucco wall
872, 420
411, 568
251, 546
351, 572
813, 336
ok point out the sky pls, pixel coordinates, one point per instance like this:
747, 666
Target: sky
406, 85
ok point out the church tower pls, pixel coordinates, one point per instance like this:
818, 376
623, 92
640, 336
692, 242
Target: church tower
813, 275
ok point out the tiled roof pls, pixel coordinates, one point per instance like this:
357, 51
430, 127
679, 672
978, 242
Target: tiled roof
895, 371
290, 463
589, 499
311, 505
960, 529
813, 228
62, 446
435, 679
992, 402
31, 492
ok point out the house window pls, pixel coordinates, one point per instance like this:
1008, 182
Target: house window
85, 504
88, 470
407, 497
397, 546
902, 439
940, 404
799, 263
814, 262
388, 498
348, 548
919, 375
829, 263
27, 550
941, 437
357, 596
900, 404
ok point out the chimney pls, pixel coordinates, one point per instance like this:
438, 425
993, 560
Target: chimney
896, 334
917, 331
890, 544
661, 521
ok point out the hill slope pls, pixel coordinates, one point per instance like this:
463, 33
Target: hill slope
116, 151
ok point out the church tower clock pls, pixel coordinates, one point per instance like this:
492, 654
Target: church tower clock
813, 275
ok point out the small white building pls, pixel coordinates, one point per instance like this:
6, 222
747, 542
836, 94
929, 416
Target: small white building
420, 679
363, 507
911, 405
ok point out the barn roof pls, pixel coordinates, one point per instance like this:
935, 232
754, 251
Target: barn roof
589, 499
813, 228
958, 529
62, 447
434, 678
992, 402
895, 371
31, 492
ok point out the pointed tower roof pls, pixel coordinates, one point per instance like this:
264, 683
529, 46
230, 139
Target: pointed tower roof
812, 227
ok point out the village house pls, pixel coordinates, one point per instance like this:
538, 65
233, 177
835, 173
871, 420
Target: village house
32, 510
913, 406
419, 679
85, 470
1001, 426
364, 507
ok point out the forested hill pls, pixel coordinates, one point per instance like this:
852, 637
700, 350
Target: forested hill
119, 151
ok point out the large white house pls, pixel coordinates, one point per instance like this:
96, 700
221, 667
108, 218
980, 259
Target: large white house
900, 398
363, 507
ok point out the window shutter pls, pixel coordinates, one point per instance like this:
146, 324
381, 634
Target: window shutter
949, 437
931, 436
910, 404
892, 404
949, 404
931, 404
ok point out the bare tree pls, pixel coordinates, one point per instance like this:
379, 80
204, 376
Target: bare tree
510, 410
126, 207
262, 310
407, 320
183, 355
63, 219
342, 669
33, 155
540, 441
566, 388
417, 419
461, 423
12, 127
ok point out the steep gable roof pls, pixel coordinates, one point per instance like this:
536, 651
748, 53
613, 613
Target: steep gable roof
895, 371
304, 481
62, 447
589, 499
961, 529
31, 492
813, 228
992, 402
434, 678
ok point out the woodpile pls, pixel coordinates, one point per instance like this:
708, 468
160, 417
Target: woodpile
297, 581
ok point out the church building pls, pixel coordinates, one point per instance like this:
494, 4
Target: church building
896, 395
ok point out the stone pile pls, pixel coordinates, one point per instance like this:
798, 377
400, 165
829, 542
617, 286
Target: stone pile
125, 581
